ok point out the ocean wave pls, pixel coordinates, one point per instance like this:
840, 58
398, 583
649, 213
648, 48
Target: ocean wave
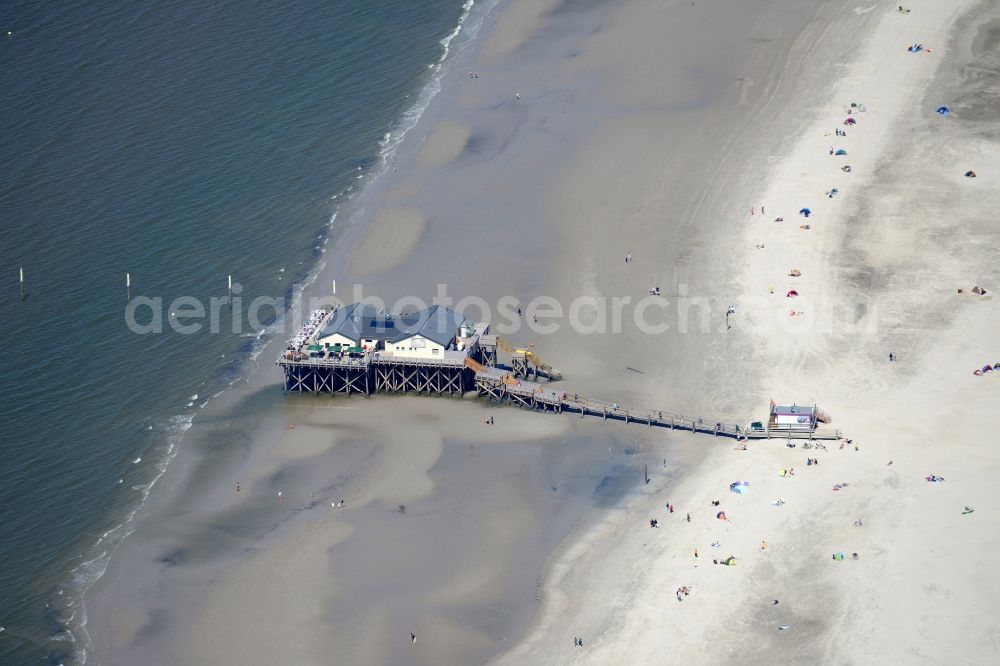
70, 606
95, 560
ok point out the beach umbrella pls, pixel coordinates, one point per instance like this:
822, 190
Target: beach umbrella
850, 121
721, 515
943, 110
795, 272
806, 212
791, 293
840, 151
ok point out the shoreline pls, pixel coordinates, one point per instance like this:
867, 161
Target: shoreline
197, 502
247, 366
782, 553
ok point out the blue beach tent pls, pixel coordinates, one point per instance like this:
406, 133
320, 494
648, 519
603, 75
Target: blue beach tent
806, 212
841, 151
943, 110
740, 487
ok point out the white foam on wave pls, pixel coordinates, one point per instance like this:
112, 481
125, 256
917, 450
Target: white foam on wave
96, 558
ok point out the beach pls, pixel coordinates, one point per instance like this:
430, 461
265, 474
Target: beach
569, 137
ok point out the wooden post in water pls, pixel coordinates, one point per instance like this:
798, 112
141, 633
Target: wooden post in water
230, 289
645, 472
21, 281
128, 287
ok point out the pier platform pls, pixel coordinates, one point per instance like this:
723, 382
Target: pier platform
473, 365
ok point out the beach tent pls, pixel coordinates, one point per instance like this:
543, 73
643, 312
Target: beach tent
721, 515
840, 151
740, 487
782, 472
850, 121
729, 561
791, 293
970, 174
838, 556
795, 272
806, 212
943, 110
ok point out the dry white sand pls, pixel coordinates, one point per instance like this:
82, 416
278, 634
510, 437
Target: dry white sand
647, 127
881, 265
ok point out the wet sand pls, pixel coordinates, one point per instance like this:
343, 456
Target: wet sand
641, 127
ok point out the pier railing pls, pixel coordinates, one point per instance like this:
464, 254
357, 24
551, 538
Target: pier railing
458, 371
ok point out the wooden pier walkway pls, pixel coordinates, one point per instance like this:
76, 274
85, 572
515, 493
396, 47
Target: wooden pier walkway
476, 368
496, 385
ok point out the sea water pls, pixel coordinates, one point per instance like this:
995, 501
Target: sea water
181, 143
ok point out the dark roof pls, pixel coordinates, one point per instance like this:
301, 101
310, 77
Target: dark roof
360, 321
436, 323
792, 409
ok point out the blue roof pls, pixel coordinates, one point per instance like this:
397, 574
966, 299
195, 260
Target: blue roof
437, 323
360, 321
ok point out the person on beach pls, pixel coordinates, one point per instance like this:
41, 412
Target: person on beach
413, 637
237, 486
689, 517
517, 96
280, 494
